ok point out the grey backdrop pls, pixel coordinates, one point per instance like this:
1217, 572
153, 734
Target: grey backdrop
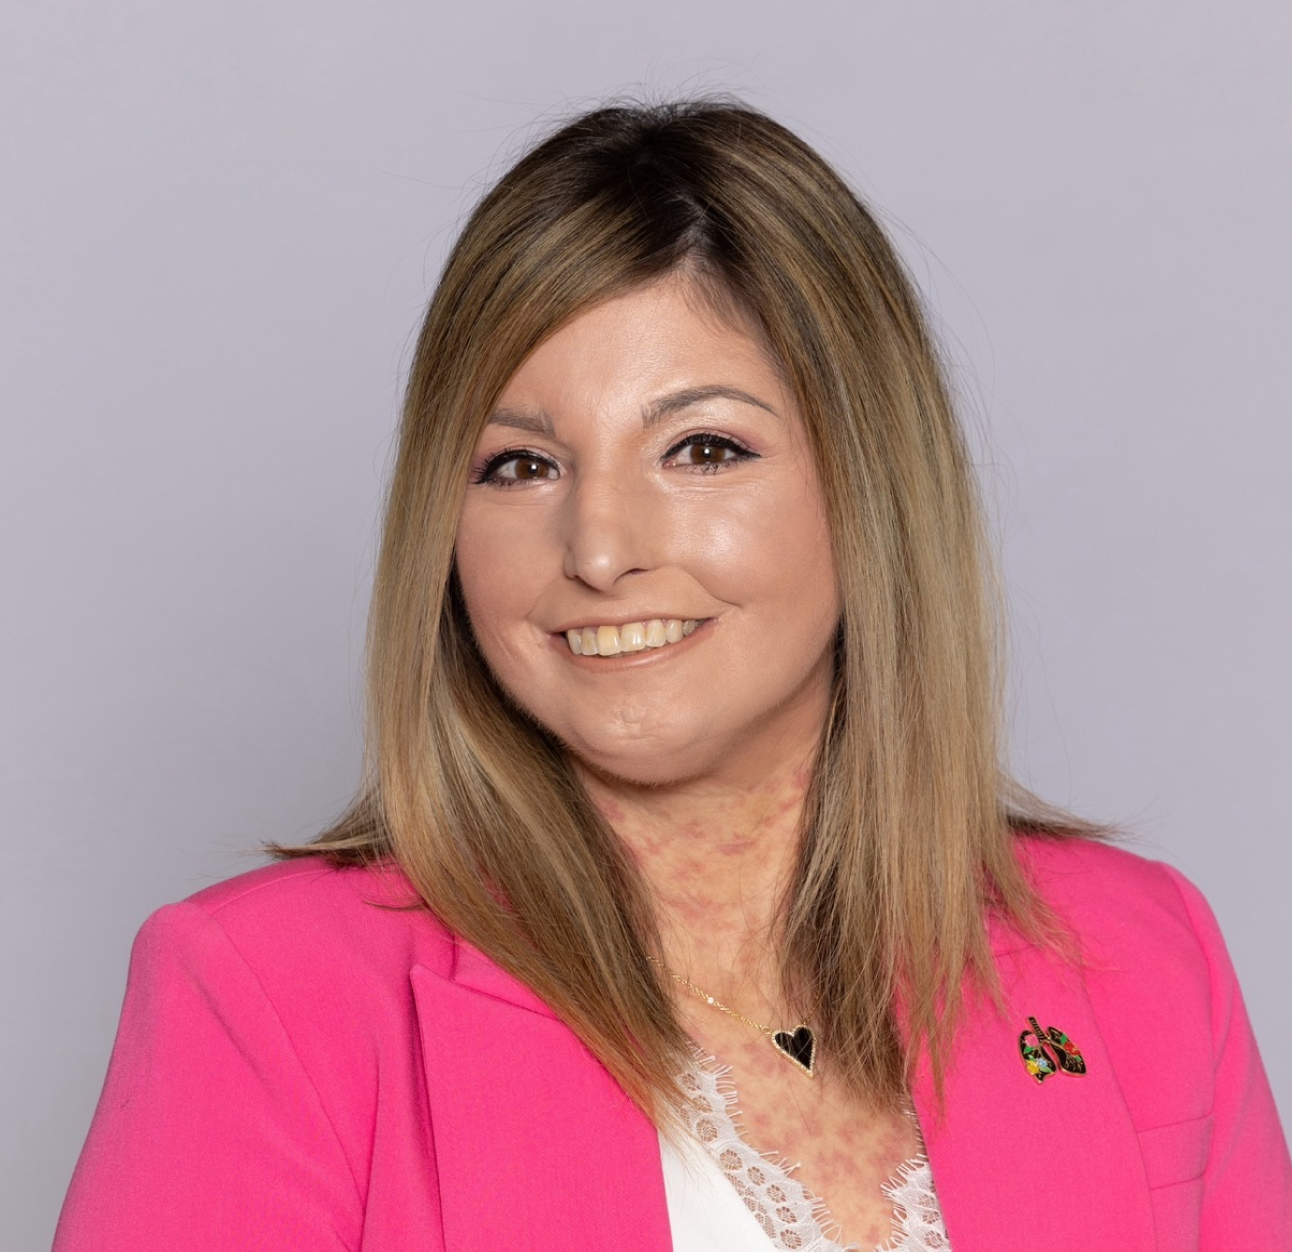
220, 225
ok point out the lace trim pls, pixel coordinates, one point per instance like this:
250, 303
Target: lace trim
917, 1215
791, 1216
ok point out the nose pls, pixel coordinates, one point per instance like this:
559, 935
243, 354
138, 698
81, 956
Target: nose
609, 531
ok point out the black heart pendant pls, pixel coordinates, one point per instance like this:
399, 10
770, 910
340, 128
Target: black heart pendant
797, 1045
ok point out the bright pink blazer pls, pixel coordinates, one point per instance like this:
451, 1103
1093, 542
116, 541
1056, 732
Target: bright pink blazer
299, 1068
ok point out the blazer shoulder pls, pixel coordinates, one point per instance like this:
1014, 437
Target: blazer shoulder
1110, 896
1155, 967
302, 884
1147, 943
1076, 864
314, 904
267, 1059
306, 924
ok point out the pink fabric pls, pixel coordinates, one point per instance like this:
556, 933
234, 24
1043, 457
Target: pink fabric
302, 1064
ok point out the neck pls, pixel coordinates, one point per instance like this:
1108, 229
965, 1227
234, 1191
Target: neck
716, 857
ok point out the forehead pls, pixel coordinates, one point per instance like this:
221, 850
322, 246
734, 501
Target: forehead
667, 337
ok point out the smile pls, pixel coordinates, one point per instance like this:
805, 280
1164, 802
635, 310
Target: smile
659, 632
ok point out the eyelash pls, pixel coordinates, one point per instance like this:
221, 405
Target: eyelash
487, 474
701, 439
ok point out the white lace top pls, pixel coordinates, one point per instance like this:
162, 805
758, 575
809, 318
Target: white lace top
725, 1197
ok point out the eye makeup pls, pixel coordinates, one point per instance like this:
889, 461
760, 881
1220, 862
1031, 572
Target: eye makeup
532, 466
732, 449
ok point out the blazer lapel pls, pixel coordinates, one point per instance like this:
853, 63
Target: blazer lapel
1015, 1161
536, 1147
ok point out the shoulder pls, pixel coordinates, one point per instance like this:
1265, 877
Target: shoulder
303, 887
1141, 927
312, 939
1170, 1015
1114, 900
1079, 868
1151, 959
315, 906
269, 1033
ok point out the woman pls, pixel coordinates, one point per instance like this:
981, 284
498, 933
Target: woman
686, 849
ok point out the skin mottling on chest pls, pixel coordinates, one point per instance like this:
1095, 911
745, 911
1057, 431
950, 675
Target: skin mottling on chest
841, 1151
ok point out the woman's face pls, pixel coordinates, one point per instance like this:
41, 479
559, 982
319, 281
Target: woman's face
643, 550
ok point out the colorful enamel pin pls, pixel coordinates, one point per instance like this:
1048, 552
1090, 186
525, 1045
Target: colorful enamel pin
1049, 1052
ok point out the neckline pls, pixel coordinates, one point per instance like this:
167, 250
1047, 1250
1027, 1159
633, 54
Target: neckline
768, 1184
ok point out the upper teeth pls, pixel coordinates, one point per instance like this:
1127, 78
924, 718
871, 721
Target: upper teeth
630, 637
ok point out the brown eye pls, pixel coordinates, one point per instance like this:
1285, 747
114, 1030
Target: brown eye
527, 467
708, 452
517, 467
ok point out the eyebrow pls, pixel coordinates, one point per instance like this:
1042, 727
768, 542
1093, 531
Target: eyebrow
539, 423
675, 401
536, 422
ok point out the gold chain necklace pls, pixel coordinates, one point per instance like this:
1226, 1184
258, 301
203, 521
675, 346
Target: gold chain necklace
797, 1045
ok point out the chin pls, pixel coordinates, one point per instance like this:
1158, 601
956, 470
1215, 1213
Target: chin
641, 760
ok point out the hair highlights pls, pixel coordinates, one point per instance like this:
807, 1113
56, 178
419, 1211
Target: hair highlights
906, 841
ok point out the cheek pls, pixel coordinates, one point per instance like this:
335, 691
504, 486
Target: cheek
495, 564
774, 552
813, 567
800, 546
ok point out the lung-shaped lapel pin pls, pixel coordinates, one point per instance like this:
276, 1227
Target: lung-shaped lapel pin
1048, 1052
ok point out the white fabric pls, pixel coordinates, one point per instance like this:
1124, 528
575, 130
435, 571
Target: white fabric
704, 1211
725, 1197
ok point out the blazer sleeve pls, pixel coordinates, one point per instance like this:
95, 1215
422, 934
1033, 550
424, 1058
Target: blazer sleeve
1247, 1188
209, 1133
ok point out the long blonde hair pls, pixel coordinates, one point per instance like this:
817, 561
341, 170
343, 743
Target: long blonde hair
907, 832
